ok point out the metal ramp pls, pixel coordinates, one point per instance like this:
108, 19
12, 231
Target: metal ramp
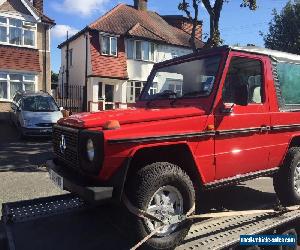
43, 207
66, 222
60, 222
225, 232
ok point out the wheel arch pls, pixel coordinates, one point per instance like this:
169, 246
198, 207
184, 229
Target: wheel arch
295, 141
179, 154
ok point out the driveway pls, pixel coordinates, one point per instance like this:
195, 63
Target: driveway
18, 154
22, 173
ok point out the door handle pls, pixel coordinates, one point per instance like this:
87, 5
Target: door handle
265, 128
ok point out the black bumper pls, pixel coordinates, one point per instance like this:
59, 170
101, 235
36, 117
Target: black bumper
77, 185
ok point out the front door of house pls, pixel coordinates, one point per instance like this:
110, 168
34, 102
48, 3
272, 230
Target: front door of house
109, 96
242, 134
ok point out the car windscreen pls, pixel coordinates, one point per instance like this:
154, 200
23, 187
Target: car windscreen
183, 79
39, 104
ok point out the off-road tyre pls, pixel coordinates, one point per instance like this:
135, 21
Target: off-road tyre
143, 185
283, 180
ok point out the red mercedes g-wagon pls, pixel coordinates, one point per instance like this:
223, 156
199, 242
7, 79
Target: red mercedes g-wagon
203, 121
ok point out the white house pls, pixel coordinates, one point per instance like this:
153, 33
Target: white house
113, 56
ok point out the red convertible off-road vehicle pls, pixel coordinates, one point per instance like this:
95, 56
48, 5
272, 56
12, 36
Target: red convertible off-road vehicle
203, 121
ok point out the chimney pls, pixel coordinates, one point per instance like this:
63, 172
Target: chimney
140, 4
39, 5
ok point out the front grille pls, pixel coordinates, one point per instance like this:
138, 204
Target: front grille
69, 155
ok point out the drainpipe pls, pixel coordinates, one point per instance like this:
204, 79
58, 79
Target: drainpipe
45, 57
67, 68
86, 71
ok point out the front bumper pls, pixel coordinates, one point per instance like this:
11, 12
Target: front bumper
75, 184
36, 131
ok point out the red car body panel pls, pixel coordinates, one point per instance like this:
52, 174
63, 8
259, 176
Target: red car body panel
218, 156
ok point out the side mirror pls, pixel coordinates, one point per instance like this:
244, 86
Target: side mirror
242, 93
15, 107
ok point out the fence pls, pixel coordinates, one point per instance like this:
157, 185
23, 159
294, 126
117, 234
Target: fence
70, 98
102, 105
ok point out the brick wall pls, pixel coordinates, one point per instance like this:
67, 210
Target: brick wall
4, 110
108, 66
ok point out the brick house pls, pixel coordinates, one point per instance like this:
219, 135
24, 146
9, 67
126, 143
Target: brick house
24, 49
114, 55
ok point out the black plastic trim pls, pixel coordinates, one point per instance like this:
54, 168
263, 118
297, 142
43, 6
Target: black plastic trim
285, 127
238, 131
84, 188
163, 137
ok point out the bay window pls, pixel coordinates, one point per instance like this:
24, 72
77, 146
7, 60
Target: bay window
141, 50
17, 32
109, 45
10, 83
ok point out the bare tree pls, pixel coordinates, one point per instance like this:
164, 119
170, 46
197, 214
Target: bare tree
214, 12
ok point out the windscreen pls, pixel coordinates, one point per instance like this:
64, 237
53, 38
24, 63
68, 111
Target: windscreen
185, 79
39, 104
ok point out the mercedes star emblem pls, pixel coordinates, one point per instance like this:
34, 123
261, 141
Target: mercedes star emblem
62, 144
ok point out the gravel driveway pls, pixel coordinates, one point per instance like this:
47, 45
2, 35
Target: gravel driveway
21, 174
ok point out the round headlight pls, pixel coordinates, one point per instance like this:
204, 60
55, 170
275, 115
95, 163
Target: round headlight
90, 150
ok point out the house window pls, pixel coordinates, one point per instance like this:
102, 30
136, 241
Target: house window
11, 83
3, 29
17, 32
138, 50
141, 50
130, 48
134, 89
153, 89
109, 45
152, 52
176, 88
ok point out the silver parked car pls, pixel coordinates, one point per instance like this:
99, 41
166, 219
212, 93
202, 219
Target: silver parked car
34, 113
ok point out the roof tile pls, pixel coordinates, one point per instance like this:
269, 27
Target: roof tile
126, 20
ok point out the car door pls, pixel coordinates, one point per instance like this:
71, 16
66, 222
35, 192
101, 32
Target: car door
242, 130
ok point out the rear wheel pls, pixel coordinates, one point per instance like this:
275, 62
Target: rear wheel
165, 191
287, 180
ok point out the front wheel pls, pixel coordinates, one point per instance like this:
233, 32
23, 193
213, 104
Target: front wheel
165, 191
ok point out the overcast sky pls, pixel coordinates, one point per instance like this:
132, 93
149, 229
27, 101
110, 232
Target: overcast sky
238, 25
